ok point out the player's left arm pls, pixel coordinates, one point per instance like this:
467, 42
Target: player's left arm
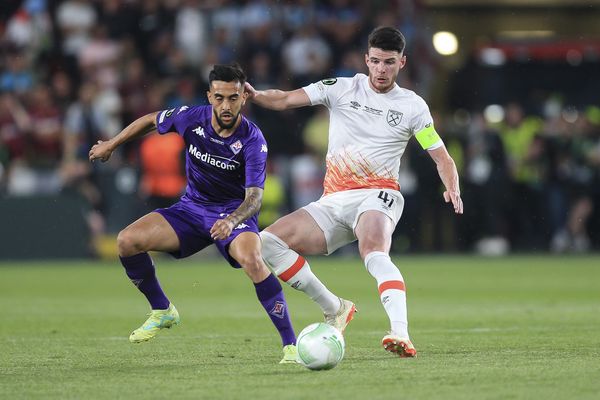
250, 206
449, 175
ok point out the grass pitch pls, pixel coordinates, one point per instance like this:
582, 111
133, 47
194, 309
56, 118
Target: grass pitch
507, 328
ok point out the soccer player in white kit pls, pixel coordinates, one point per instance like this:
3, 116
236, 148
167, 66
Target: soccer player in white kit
371, 121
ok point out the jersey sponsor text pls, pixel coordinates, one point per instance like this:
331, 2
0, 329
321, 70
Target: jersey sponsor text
215, 161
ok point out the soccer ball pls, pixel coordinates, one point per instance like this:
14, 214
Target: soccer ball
320, 346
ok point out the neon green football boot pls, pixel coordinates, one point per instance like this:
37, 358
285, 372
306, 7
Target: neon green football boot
158, 320
290, 354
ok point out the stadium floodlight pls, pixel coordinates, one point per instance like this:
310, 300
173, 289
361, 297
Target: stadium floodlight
445, 43
493, 113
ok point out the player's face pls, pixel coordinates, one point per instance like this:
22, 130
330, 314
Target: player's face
384, 66
227, 99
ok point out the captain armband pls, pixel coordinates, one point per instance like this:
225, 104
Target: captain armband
428, 138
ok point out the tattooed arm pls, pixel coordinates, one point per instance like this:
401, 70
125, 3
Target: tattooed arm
250, 206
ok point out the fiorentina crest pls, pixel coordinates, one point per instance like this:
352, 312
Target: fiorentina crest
278, 310
394, 117
236, 147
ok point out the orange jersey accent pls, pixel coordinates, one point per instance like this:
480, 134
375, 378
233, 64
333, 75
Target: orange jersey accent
344, 173
368, 131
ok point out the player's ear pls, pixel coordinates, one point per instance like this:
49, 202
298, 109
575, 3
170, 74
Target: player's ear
367, 59
209, 96
402, 61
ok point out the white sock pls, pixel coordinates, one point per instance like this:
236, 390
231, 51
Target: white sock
293, 269
391, 290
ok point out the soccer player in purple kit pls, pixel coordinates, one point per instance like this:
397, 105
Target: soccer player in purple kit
225, 165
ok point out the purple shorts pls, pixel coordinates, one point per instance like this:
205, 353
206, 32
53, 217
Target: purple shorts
192, 223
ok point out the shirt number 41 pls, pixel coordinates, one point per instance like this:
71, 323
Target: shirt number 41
386, 198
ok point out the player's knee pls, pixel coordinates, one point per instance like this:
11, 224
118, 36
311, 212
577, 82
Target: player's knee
128, 243
369, 245
252, 263
272, 246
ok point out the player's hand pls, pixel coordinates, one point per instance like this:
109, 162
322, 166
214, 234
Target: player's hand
101, 151
457, 202
221, 229
250, 90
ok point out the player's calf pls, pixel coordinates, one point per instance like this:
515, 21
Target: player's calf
295, 271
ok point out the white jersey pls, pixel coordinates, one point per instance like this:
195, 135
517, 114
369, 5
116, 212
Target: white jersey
368, 131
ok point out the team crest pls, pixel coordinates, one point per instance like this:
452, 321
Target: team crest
394, 117
278, 310
236, 147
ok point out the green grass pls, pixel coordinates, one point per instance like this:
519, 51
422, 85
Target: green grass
508, 328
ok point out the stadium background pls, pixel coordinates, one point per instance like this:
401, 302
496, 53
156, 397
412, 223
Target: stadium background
522, 326
517, 104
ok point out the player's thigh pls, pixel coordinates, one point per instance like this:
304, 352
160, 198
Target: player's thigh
245, 249
374, 231
151, 232
300, 232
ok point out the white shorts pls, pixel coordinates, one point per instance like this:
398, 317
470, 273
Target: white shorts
337, 214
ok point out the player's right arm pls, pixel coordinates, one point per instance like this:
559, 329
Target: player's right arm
141, 126
275, 99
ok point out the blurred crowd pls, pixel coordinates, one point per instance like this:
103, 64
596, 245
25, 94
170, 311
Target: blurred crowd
74, 72
530, 182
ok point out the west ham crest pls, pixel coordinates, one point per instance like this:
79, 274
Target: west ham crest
394, 117
236, 147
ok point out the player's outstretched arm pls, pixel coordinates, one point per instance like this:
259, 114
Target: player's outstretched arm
104, 149
250, 206
449, 175
275, 99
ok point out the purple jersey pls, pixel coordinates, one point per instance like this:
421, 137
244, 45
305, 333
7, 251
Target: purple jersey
218, 169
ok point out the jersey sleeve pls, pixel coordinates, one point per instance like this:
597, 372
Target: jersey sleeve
174, 119
423, 129
324, 92
255, 155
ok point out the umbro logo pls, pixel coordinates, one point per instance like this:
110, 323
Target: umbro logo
263, 148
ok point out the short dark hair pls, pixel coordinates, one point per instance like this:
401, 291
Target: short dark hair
227, 73
387, 38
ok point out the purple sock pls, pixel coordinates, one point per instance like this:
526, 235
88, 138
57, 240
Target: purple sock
140, 269
270, 294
